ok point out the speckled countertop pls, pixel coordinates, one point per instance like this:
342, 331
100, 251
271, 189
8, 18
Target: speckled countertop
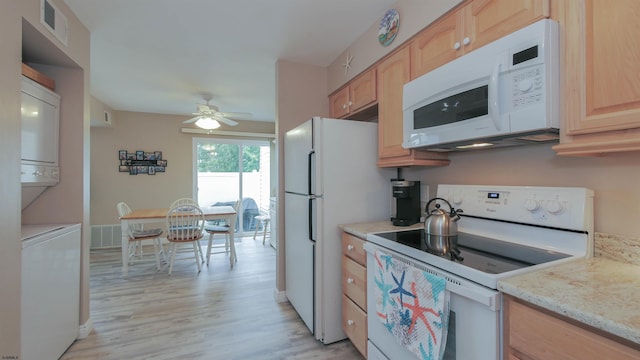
602, 292
362, 229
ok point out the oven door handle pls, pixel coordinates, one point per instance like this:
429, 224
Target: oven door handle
489, 298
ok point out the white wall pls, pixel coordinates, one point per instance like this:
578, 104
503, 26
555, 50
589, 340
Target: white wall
300, 95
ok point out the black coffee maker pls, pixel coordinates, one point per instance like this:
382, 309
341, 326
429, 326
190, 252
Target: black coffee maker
407, 195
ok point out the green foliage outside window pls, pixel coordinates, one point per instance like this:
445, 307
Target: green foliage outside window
224, 158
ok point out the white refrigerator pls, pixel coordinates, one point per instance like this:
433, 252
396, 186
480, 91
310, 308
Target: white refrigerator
331, 178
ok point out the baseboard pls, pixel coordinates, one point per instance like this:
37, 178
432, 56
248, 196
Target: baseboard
280, 296
85, 329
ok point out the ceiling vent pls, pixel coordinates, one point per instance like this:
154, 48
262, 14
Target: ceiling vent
54, 21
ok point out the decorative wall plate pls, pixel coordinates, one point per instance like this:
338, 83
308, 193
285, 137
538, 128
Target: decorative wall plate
389, 26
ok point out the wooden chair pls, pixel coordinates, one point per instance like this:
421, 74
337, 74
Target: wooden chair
214, 229
188, 201
263, 220
185, 224
183, 201
137, 233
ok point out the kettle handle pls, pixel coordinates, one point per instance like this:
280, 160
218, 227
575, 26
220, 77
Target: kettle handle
426, 208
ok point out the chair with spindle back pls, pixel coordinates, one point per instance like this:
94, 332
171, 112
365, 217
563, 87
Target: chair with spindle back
137, 233
185, 224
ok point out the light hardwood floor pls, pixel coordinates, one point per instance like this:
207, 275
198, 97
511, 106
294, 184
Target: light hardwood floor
221, 313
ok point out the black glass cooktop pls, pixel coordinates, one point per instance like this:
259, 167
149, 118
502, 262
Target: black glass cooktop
481, 253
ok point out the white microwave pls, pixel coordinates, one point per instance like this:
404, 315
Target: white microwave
503, 94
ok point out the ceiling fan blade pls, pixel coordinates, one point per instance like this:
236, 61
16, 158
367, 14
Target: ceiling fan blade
193, 119
228, 121
237, 115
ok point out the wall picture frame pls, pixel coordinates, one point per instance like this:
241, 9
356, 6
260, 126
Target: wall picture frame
141, 162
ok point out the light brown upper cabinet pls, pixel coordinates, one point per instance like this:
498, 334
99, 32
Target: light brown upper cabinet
469, 27
393, 73
355, 96
601, 73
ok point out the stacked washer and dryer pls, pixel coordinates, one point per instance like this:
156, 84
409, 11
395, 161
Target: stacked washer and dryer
50, 275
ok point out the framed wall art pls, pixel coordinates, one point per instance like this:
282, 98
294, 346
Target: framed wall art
141, 162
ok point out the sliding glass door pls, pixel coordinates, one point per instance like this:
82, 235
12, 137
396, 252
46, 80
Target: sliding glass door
226, 170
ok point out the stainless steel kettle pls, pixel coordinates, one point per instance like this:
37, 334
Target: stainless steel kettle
441, 230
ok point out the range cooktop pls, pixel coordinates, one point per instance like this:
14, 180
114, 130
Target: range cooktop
481, 253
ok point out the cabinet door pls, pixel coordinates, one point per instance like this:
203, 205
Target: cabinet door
339, 103
354, 324
489, 20
538, 334
435, 46
601, 87
362, 91
608, 54
354, 281
393, 73
353, 247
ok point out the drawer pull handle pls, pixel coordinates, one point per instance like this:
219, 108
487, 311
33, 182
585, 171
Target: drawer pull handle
350, 280
350, 322
350, 247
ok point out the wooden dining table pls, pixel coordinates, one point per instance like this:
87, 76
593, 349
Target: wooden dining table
226, 213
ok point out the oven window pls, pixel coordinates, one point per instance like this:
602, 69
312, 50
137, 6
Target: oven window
450, 347
465, 105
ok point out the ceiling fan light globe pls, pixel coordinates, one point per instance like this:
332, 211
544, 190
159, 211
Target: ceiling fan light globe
207, 123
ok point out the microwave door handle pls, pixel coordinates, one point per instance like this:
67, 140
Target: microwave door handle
494, 111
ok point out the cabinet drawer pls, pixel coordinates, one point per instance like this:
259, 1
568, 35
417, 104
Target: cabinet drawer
353, 247
354, 281
354, 324
534, 334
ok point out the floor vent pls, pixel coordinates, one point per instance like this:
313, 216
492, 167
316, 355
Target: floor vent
105, 236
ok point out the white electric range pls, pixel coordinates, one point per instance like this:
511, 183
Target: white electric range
503, 231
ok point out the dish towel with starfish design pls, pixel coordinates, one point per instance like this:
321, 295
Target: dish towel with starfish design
413, 305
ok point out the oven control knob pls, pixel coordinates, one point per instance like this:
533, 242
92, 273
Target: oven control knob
531, 204
554, 207
525, 85
456, 199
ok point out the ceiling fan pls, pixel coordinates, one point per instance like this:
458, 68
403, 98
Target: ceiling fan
208, 117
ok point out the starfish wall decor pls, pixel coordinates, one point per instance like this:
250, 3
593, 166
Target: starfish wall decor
347, 64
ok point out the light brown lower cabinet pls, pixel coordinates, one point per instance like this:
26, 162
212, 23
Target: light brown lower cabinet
354, 322
532, 333
354, 291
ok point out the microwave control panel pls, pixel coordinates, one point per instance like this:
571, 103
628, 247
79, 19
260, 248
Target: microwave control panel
527, 87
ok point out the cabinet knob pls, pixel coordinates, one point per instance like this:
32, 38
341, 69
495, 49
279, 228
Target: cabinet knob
456, 46
344, 106
350, 247
350, 280
466, 41
350, 322
350, 103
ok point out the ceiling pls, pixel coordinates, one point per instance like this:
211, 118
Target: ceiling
160, 56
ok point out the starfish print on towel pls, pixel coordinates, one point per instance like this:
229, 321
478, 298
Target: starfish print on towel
400, 290
435, 289
418, 312
384, 288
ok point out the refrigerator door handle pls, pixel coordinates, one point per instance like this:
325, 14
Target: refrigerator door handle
310, 213
309, 157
